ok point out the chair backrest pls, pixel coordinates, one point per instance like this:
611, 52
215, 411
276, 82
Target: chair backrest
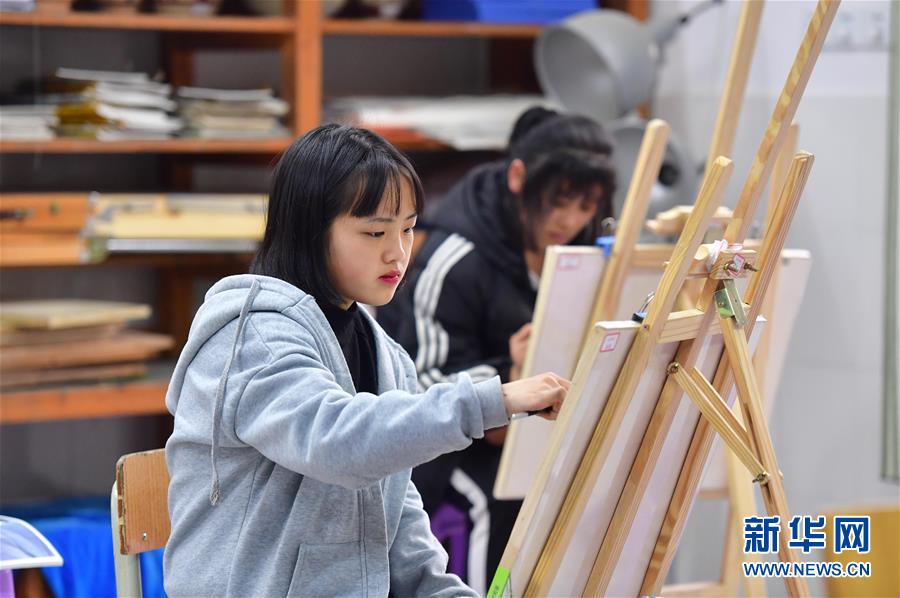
140, 514
143, 483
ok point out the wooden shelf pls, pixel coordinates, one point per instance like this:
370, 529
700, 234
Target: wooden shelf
402, 138
164, 146
176, 261
258, 25
377, 27
145, 397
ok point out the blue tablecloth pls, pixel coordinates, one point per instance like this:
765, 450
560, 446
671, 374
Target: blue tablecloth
81, 531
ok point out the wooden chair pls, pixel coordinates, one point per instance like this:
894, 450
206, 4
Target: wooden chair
140, 514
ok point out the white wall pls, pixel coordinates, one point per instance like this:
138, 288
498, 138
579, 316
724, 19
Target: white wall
826, 421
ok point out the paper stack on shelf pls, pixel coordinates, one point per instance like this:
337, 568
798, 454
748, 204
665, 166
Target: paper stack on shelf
17, 5
51, 341
177, 222
110, 105
461, 122
231, 113
186, 7
33, 123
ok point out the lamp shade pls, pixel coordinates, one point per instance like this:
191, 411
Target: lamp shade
600, 63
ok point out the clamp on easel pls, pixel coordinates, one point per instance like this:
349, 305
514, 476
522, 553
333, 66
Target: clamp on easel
728, 266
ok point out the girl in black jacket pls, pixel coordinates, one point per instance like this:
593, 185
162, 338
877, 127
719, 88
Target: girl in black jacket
469, 297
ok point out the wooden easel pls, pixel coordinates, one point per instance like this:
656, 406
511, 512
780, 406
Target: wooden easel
776, 132
736, 490
751, 443
634, 214
691, 327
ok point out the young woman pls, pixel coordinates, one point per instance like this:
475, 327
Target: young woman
471, 291
297, 419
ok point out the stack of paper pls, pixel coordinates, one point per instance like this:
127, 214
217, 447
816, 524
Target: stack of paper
27, 122
227, 113
112, 105
16, 5
177, 216
462, 122
73, 340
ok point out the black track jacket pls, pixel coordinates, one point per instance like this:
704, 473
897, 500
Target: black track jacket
468, 290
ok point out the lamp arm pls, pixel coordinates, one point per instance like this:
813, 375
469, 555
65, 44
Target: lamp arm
664, 31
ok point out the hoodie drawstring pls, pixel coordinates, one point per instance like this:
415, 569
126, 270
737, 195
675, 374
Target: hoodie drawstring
220, 392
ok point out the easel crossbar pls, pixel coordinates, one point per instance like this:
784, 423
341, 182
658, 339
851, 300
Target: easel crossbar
716, 411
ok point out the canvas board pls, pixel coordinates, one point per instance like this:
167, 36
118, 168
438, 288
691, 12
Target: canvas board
569, 281
591, 524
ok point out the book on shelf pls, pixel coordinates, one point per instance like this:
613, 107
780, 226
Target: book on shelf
253, 124
197, 8
231, 113
91, 112
178, 216
268, 107
117, 106
107, 82
207, 133
17, 5
112, 105
55, 341
58, 314
89, 75
224, 95
27, 122
134, 97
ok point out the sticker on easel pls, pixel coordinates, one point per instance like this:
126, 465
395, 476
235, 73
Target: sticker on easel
609, 342
739, 262
500, 587
569, 262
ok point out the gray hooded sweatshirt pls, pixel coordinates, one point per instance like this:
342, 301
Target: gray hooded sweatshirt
284, 479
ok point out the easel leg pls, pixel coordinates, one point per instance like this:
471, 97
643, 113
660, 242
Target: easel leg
758, 430
742, 505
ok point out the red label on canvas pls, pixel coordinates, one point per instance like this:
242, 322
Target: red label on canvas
569, 262
609, 342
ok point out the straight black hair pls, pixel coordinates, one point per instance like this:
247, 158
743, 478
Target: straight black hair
329, 171
565, 155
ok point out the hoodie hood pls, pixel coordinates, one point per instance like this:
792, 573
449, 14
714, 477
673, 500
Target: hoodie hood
230, 298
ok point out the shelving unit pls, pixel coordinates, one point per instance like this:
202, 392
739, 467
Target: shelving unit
298, 36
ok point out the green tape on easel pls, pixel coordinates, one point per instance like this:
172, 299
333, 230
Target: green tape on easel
500, 586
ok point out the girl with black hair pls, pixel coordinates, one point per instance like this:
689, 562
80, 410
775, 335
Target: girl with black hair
297, 419
469, 297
